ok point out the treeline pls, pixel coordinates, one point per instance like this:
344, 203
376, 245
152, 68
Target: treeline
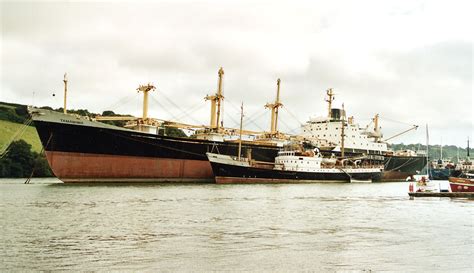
13, 112
434, 152
21, 161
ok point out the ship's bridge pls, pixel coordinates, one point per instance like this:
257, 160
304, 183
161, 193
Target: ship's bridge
325, 132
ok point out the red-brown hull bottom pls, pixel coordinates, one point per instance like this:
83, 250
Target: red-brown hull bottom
395, 176
82, 167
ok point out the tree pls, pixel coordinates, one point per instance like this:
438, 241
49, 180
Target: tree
172, 132
20, 160
108, 113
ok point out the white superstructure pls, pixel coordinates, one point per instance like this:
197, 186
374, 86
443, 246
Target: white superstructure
289, 161
326, 132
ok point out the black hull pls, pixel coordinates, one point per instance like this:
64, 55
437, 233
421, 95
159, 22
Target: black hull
405, 164
396, 167
84, 151
226, 173
92, 140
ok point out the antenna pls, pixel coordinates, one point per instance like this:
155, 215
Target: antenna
65, 92
342, 133
427, 152
329, 100
467, 146
240, 134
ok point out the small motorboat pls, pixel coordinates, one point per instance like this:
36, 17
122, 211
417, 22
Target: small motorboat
424, 184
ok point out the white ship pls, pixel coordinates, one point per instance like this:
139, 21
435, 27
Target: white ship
326, 133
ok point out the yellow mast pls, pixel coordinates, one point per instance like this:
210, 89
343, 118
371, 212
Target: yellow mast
145, 89
377, 133
65, 92
329, 100
216, 102
274, 108
219, 97
240, 136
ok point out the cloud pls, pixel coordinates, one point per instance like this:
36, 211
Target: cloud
408, 61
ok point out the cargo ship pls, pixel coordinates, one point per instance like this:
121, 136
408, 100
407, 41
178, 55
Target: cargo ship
84, 149
326, 133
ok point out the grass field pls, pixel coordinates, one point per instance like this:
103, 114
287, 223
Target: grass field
8, 130
7, 106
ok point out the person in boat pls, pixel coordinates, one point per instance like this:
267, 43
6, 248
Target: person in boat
421, 183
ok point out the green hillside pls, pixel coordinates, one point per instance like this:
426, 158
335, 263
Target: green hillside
449, 151
8, 130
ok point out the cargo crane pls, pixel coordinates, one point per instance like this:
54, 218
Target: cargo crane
274, 109
414, 127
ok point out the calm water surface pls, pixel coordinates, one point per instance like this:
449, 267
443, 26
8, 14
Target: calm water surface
50, 226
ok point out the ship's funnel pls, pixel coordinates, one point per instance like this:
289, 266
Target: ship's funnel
337, 114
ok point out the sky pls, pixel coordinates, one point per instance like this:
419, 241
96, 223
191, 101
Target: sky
411, 62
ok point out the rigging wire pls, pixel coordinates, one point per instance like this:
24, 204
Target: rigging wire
253, 121
162, 106
16, 135
396, 121
257, 115
37, 159
285, 124
235, 122
121, 102
294, 131
191, 110
183, 113
236, 109
292, 115
233, 105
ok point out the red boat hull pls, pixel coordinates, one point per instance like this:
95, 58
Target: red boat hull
457, 187
461, 184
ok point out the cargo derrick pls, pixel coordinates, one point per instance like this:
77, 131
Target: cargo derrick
274, 110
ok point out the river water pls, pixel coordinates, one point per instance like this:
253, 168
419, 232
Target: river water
48, 225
